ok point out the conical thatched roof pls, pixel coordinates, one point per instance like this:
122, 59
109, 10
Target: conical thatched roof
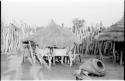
54, 35
117, 27
114, 33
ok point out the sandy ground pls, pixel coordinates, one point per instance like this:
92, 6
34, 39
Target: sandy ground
65, 72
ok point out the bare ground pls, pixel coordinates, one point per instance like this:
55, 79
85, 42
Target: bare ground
65, 72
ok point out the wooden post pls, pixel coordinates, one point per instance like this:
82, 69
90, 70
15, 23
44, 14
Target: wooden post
62, 58
50, 56
54, 60
87, 41
106, 46
101, 56
121, 57
31, 53
114, 60
95, 46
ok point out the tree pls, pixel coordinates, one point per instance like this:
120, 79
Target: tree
77, 24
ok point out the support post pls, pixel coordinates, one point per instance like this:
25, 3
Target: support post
121, 57
31, 53
114, 56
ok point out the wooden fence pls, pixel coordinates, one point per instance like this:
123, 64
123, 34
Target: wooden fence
11, 38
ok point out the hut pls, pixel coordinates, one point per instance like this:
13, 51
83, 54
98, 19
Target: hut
53, 36
114, 34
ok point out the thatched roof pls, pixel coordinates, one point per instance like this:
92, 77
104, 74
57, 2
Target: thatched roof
39, 28
54, 35
117, 27
114, 33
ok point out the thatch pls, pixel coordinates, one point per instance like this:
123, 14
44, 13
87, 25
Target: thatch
114, 33
39, 28
117, 27
53, 35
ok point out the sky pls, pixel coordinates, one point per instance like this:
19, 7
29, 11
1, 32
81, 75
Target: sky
40, 12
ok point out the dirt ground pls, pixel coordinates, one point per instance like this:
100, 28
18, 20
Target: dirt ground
65, 72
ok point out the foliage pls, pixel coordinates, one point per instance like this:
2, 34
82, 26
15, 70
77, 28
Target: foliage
77, 24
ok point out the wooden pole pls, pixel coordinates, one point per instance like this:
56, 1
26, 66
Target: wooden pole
121, 57
95, 46
106, 46
87, 47
100, 52
31, 53
114, 60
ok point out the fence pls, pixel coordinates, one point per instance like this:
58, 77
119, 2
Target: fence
11, 38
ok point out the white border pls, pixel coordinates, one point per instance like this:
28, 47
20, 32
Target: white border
61, 80
62, 0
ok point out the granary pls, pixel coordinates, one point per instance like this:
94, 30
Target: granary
53, 36
115, 35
